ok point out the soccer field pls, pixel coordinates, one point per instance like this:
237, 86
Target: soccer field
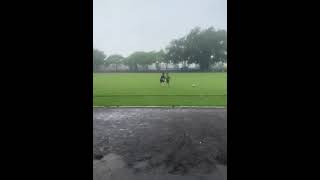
143, 89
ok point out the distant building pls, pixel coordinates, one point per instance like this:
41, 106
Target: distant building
119, 67
152, 67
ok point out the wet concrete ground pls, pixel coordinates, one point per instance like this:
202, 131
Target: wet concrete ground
157, 143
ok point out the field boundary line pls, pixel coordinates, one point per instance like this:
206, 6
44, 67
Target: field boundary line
160, 95
171, 107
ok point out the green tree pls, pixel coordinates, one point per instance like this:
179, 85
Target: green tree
131, 61
203, 47
115, 59
160, 57
177, 51
140, 58
98, 59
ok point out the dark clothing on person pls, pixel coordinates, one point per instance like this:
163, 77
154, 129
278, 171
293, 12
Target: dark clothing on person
162, 79
168, 79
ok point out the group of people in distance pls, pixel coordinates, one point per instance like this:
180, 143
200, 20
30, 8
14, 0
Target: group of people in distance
164, 79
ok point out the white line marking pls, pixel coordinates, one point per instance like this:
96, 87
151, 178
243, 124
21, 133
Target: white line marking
213, 107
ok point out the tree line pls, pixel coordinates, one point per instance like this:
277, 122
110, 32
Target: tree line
205, 47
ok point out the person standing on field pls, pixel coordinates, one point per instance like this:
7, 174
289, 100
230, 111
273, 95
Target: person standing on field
168, 79
162, 78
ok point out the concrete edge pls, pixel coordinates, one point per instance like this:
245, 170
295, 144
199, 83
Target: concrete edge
202, 107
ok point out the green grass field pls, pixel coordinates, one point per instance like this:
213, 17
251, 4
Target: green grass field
143, 89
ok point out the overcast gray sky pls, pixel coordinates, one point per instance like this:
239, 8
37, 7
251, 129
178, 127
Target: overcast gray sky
125, 26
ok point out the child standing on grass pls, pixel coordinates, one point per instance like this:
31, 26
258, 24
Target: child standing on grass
162, 78
168, 79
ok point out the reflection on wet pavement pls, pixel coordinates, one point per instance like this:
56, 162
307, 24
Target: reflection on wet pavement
189, 142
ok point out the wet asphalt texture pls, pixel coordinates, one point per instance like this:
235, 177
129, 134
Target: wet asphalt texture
159, 143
